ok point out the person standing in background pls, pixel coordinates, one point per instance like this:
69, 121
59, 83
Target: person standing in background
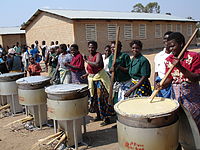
17, 49
34, 68
25, 59
159, 61
76, 65
44, 50
14, 61
106, 55
64, 57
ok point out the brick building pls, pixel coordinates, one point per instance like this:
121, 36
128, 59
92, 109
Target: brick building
9, 36
71, 26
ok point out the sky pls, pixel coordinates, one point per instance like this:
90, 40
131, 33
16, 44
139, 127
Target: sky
15, 12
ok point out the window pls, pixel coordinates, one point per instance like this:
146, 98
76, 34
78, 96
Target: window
91, 33
142, 31
158, 32
178, 28
128, 32
112, 32
169, 27
189, 29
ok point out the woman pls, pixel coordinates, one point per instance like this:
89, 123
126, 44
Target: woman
99, 84
51, 61
64, 57
76, 65
121, 75
106, 56
139, 71
185, 76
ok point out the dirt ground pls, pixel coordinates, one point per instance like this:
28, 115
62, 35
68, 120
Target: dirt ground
16, 137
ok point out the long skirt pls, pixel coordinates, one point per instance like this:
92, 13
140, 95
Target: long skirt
100, 101
188, 95
143, 90
65, 76
51, 71
76, 77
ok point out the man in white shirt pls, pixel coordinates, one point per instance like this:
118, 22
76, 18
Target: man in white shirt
160, 67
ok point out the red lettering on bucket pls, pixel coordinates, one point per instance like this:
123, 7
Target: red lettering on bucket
133, 146
21, 98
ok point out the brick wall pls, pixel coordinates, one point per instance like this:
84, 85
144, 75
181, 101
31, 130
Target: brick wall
50, 27
10, 40
150, 42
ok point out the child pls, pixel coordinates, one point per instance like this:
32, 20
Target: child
34, 68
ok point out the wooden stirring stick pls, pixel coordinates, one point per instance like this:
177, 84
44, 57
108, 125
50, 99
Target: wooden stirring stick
110, 98
155, 92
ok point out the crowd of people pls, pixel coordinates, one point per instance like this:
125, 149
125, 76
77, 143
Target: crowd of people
65, 64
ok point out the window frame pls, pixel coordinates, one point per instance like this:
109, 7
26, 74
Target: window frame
145, 31
91, 33
128, 36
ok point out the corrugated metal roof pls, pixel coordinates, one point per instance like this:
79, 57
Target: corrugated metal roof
11, 30
83, 14
105, 15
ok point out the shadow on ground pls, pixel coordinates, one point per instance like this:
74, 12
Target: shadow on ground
100, 137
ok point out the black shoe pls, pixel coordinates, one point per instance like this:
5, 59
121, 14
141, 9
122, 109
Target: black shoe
91, 109
105, 122
114, 127
97, 119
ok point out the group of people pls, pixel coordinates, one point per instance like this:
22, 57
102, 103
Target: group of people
65, 64
132, 76
21, 59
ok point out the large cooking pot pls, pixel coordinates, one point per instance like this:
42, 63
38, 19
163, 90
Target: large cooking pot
13, 76
67, 101
31, 90
145, 125
33, 82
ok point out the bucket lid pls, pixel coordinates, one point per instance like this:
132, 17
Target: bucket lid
66, 88
32, 80
143, 108
12, 76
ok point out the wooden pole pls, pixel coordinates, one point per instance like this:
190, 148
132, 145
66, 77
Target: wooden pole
4, 107
45, 139
110, 99
20, 120
172, 67
64, 136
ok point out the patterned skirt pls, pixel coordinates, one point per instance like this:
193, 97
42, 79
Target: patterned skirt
189, 95
65, 76
100, 101
143, 90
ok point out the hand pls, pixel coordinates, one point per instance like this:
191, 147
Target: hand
84, 76
66, 64
84, 57
112, 69
128, 93
158, 86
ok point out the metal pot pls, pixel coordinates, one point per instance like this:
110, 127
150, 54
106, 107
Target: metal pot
33, 82
13, 76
